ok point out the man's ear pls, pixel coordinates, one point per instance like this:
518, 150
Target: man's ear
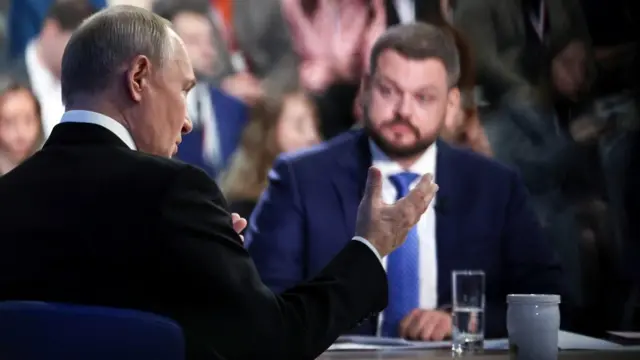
137, 77
453, 99
451, 124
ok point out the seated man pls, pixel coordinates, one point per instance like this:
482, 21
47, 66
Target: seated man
481, 220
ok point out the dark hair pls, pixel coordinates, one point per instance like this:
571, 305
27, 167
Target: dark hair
9, 85
247, 175
69, 14
99, 47
169, 9
419, 41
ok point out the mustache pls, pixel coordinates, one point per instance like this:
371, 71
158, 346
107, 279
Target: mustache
398, 120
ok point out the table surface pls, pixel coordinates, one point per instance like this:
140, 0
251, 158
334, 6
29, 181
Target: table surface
487, 355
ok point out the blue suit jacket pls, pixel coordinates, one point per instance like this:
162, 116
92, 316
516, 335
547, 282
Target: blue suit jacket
231, 118
483, 221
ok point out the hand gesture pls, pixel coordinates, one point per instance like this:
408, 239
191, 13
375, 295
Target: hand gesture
309, 34
346, 43
316, 75
386, 226
426, 325
377, 27
239, 223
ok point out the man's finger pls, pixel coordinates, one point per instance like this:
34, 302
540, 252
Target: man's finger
422, 195
442, 330
373, 190
419, 323
403, 327
428, 325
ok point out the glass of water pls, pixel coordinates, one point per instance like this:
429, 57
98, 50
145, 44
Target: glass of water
467, 311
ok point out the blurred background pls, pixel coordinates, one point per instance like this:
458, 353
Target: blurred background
550, 88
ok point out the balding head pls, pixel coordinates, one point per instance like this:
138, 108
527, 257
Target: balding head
127, 63
98, 49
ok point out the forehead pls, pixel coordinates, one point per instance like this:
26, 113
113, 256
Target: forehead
410, 73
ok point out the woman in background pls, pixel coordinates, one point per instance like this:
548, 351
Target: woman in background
21, 132
276, 126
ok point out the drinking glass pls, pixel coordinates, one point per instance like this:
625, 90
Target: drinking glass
467, 311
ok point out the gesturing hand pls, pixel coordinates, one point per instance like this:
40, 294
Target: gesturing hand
386, 226
239, 223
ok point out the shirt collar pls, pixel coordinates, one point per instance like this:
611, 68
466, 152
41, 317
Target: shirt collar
426, 163
90, 117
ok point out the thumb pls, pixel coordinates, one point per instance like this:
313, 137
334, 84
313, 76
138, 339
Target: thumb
373, 190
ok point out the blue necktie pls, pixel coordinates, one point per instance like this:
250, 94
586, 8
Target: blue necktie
402, 269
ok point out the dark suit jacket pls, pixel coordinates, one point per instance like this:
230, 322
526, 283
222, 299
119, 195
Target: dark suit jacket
484, 221
86, 220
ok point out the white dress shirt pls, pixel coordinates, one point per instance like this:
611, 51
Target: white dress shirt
46, 88
426, 227
406, 10
90, 117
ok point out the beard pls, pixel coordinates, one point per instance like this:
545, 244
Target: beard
389, 148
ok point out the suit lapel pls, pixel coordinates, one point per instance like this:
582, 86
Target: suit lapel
349, 182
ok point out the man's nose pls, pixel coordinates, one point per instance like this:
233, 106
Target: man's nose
404, 106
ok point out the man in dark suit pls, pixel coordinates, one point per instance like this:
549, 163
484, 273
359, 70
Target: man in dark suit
481, 220
90, 220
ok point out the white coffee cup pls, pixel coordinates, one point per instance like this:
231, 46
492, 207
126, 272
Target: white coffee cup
533, 322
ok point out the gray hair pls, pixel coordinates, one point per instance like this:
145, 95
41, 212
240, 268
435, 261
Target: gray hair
104, 42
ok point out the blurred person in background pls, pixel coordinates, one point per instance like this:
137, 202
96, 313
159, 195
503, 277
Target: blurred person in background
21, 132
280, 125
218, 117
25, 21
40, 65
252, 44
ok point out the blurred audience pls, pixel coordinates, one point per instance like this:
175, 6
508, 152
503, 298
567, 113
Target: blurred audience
218, 117
252, 44
40, 65
26, 18
21, 131
280, 125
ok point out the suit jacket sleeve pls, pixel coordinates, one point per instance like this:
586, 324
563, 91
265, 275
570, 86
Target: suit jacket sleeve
276, 237
531, 265
230, 310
